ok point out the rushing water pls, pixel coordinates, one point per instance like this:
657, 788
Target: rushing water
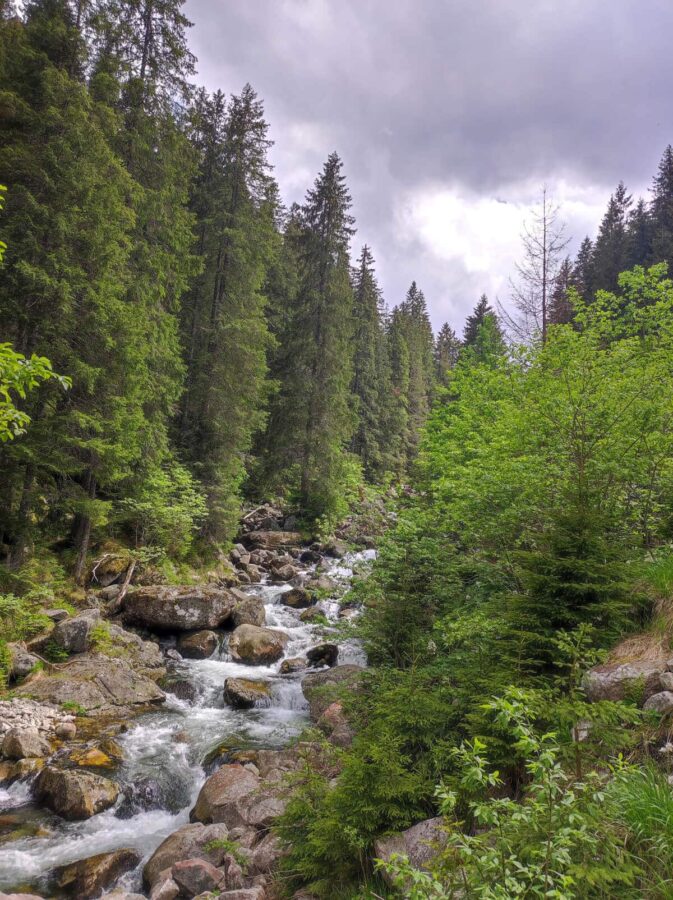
165, 750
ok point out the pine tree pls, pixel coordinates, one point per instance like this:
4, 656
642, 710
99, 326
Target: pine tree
447, 350
420, 346
639, 236
397, 419
610, 249
662, 211
367, 362
312, 418
69, 221
225, 334
143, 43
560, 308
583, 270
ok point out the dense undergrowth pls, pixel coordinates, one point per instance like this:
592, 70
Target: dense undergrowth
538, 535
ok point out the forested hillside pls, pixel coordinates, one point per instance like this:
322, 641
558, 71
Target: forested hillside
378, 612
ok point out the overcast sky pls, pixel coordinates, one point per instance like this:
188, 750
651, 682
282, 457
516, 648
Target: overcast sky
449, 115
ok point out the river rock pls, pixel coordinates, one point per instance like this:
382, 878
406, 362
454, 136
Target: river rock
661, 703
141, 795
249, 610
617, 681
226, 796
19, 770
196, 876
99, 684
323, 655
272, 540
74, 795
22, 662
257, 646
419, 843
313, 614
88, 878
322, 583
284, 573
265, 855
298, 598
180, 686
195, 841
176, 609
198, 644
296, 664
56, 615
321, 689
335, 725
74, 634
66, 731
23, 743
244, 693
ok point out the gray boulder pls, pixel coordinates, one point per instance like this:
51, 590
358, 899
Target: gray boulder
89, 878
74, 634
25, 743
321, 689
22, 662
196, 876
198, 644
176, 609
195, 841
244, 693
249, 610
100, 685
272, 540
226, 797
419, 843
74, 794
298, 598
661, 702
617, 681
257, 646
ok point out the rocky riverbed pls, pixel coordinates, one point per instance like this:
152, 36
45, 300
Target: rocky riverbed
151, 760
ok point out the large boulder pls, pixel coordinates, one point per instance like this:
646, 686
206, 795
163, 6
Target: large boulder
323, 655
22, 662
298, 598
249, 610
321, 689
195, 841
257, 646
295, 664
419, 843
635, 680
244, 693
74, 635
74, 794
272, 540
661, 703
175, 609
226, 797
196, 876
24, 743
283, 573
89, 878
198, 644
100, 685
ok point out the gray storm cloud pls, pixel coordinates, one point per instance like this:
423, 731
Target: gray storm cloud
439, 108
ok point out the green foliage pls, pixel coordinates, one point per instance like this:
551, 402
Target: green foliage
165, 511
20, 619
553, 842
229, 847
19, 376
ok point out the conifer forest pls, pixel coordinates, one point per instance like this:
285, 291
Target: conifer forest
307, 593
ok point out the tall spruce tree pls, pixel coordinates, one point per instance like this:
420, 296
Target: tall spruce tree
447, 350
560, 308
312, 416
367, 361
420, 346
69, 221
583, 270
639, 234
662, 211
482, 334
610, 248
225, 333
